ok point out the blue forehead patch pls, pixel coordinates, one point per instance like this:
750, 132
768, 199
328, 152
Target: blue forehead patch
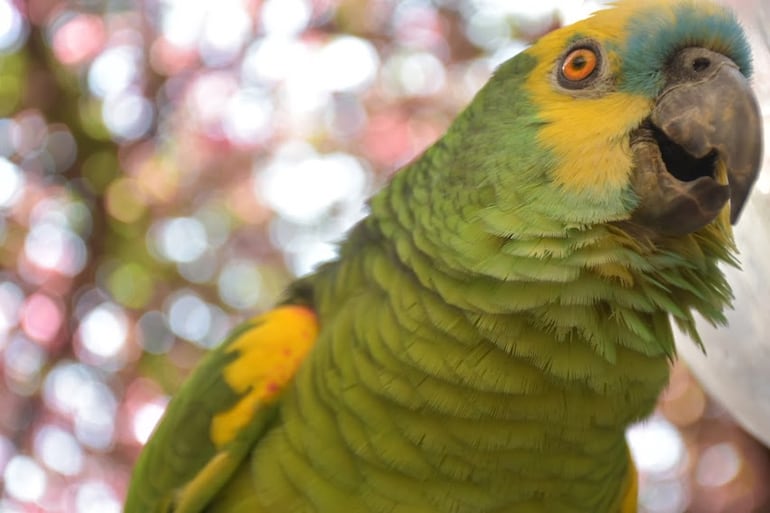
653, 38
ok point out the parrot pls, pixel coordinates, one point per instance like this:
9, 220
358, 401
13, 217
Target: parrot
488, 332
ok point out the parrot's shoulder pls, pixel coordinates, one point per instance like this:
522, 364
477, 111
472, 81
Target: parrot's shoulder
220, 412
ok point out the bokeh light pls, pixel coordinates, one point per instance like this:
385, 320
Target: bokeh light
11, 301
168, 167
656, 445
77, 37
59, 450
103, 331
24, 479
13, 26
114, 70
154, 334
11, 183
96, 497
145, 420
128, 116
285, 17
182, 239
23, 360
303, 186
719, 464
42, 317
239, 284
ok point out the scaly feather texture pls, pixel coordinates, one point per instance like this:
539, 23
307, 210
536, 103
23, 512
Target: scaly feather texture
493, 326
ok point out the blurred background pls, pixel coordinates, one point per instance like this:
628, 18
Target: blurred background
168, 166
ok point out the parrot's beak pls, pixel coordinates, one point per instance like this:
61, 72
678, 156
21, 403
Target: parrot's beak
700, 147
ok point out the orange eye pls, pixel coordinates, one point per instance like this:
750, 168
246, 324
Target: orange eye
579, 64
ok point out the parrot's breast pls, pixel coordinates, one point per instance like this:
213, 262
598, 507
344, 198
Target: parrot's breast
407, 400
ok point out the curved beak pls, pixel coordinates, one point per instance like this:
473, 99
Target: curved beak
701, 146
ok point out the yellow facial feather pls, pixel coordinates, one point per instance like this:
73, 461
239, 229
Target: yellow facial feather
592, 145
268, 357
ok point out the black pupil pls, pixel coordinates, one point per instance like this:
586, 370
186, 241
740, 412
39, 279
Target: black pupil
579, 62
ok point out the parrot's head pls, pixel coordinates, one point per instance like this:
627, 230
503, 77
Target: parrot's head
643, 117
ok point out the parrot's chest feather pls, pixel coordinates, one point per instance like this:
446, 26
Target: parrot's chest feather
451, 406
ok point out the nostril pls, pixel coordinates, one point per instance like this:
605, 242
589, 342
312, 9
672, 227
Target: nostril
700, 63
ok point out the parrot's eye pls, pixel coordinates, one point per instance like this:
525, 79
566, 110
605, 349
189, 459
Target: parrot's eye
579, 64
579, 67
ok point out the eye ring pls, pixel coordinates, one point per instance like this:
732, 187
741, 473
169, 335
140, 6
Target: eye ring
580, 66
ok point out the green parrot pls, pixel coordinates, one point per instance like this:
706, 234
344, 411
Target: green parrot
491, 329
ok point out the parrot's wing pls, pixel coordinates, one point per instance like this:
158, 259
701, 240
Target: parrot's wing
220, 412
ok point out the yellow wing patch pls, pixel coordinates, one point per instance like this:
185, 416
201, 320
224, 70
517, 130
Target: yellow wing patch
268, 356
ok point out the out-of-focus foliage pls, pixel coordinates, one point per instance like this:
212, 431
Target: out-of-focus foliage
167, 166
